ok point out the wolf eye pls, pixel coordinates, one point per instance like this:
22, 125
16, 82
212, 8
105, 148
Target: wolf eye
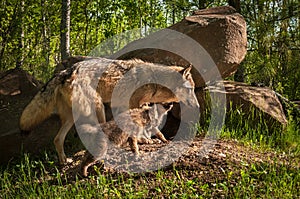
151, 104
167, 105
147, 105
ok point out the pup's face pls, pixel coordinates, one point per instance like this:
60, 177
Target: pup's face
157, 113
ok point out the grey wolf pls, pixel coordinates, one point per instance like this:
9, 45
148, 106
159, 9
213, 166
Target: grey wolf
133, 126
73, 86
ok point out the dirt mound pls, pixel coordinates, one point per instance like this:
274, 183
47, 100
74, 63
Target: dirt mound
17, 88
226, 155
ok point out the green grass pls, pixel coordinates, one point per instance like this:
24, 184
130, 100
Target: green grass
40, 177
256, 128
269, 181
30, 179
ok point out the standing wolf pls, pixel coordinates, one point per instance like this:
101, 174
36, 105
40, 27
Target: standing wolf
75, 86
130, 126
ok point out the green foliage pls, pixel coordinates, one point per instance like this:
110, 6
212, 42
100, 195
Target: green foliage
30, 33
273, 43
254, 127
269, 180
37, 26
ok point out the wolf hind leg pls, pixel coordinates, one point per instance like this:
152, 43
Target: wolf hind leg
99, 152
60, 138
87, 161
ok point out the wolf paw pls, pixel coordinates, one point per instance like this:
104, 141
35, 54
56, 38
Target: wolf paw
63, 160
145, 141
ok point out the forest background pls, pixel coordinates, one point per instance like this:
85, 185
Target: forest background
32, 33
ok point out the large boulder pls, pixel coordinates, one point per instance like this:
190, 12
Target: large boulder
249, 99
244, 96
17, 82
221, 31
253, 104
17, 88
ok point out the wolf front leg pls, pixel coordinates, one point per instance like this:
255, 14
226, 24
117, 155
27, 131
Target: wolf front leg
133, 142
144, 140
159, 134
60, 138
100, 111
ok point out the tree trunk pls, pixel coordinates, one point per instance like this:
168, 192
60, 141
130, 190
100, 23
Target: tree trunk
86, 15
239, 75
201, 4
236, 4
65, 29
45, 34
19, 59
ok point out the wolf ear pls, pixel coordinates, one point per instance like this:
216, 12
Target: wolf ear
187, 76
187, 72
182, 70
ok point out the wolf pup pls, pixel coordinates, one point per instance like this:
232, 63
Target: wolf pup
73, 86
156, 115
135, 125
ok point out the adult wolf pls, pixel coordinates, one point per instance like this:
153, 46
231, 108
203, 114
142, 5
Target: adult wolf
75, 86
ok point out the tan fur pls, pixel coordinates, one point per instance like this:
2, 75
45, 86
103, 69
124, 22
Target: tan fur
39, 108
56, 95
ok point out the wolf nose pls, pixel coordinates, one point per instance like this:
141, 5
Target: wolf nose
193, 103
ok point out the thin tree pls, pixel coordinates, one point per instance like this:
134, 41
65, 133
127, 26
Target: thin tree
239, 75
65, 29
45, 33
19, 58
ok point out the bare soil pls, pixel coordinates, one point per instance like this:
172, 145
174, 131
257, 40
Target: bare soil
227, 156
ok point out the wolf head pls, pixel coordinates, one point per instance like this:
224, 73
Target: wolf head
160, 84
156, 113
185, 92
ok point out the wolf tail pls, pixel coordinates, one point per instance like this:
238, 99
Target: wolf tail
40, 108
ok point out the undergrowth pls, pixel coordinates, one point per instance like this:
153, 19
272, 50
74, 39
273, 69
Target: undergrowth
32, 177
254, 127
